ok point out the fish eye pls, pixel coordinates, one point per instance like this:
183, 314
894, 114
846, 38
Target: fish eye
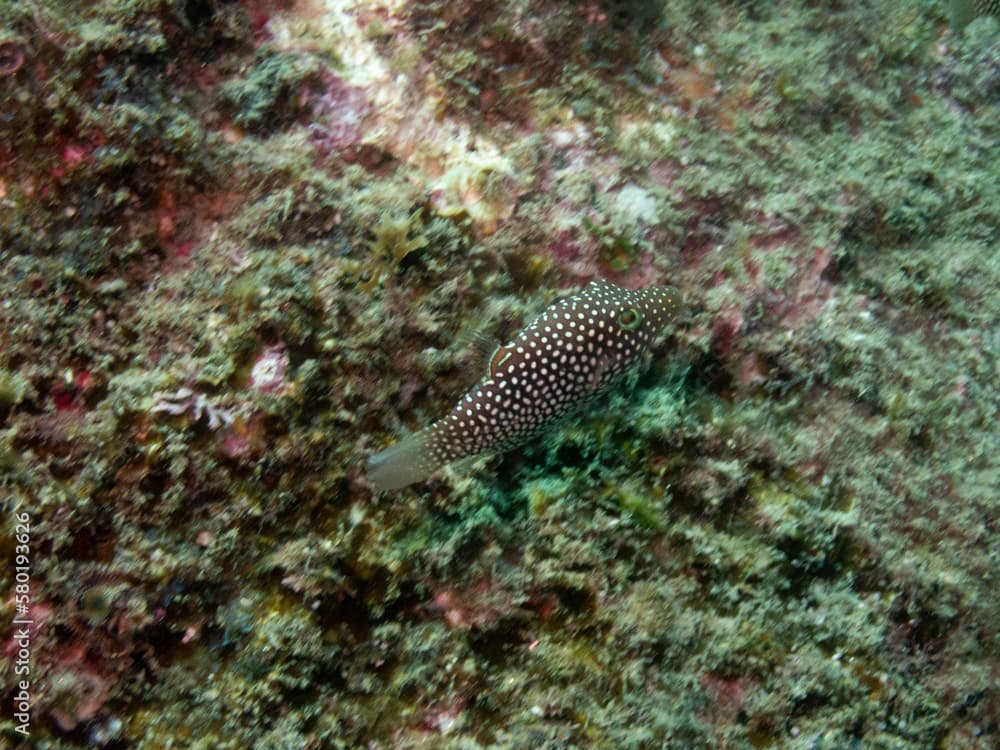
629, 319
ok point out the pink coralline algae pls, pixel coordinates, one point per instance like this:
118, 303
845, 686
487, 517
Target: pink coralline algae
67, 394
339, 112
269, 369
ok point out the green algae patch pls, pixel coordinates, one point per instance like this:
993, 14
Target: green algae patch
240, 242
640, 505
267, 97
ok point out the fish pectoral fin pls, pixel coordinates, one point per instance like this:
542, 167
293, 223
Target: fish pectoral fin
596, 378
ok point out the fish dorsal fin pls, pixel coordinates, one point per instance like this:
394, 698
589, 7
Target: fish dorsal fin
602, 284
477, 349
500, 355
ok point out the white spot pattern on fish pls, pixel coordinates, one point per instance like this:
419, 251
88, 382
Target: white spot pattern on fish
573, 351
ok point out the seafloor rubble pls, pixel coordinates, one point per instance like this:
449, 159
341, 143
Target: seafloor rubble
247, 244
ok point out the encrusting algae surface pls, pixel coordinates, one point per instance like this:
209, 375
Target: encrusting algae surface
245, 247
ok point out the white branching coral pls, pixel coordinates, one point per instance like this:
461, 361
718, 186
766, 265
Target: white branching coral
195, 405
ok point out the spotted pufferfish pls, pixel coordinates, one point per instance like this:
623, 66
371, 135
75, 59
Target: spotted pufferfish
575, 350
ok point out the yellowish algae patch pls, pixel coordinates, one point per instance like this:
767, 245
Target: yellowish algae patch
464, 170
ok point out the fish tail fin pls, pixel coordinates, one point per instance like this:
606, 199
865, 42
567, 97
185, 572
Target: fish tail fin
404, 463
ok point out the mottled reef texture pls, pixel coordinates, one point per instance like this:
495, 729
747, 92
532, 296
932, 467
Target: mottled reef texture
245, 245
